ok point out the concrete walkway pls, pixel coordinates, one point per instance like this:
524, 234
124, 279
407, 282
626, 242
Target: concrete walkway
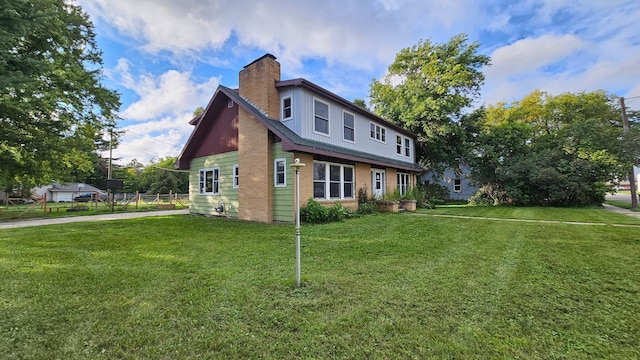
105, 217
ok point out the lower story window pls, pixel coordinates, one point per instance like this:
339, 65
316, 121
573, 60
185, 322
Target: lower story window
209, 181
403, 183
457, 185
332, 181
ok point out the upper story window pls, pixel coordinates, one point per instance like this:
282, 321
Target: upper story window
377, 132
209, 181
286, 108
229, 103
403, 146
236, 176
349, 126
280, 172
321, 117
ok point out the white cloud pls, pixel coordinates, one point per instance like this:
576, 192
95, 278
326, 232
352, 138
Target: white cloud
172, 92
530, 54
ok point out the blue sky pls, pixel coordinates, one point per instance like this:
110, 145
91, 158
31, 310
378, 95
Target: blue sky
167, 57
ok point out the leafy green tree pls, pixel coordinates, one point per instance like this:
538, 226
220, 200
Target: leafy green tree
427, 90
160, 177
53, 108
563, 150
361, 103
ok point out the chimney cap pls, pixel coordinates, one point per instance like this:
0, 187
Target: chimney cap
260, 58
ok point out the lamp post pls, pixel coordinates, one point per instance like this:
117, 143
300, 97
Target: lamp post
296, 166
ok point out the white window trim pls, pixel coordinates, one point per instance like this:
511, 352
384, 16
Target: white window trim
406, 146
275, 172
229, 103
200, 188
459, 190
376, 128
407, 184
290, 108
236, 176
327, 181
344, 126
328, 117
401, 145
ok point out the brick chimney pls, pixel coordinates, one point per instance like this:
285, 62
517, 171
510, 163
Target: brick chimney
257, 84
255, 146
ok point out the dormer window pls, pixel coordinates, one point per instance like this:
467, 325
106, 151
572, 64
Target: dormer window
286, 108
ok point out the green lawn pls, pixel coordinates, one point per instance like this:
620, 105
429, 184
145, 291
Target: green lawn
383, 286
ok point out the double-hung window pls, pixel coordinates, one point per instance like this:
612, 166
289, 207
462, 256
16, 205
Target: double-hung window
321, 117
209, 181
398, 144
236, 176
286, 109
280, 172
377, 132
332, 181
403, 183
407, 147
457, 185
349, 126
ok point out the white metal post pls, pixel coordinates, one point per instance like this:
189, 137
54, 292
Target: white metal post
297, 165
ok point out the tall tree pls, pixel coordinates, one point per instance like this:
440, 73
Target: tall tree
563, 150
427, 89
53, 107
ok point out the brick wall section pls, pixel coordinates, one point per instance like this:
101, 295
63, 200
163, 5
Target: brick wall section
257, 84
255, 197
363, 179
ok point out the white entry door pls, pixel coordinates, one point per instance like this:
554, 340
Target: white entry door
378, 182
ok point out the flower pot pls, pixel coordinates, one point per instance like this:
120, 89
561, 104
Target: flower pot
409, 205
388, 206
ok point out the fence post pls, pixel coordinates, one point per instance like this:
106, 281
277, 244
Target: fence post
170, 197
45, 202
137, 199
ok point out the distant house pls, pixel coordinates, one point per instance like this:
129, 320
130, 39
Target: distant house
456, 182
57, 192
241, 149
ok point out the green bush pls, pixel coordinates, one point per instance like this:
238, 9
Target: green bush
490, 195
316, 213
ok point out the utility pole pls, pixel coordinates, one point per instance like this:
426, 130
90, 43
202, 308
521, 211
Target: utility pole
632, 175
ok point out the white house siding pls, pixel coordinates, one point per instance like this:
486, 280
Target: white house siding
283, 196
228, 195
303, 121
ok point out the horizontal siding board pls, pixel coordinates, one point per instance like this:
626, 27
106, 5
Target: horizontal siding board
205, 204
283, 196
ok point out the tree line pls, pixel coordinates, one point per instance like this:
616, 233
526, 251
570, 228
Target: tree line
568, 149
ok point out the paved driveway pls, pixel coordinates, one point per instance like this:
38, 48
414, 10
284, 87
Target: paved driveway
115, 216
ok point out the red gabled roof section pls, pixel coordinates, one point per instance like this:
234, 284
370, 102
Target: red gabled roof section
216, 131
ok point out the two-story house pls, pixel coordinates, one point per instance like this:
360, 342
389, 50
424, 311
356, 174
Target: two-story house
241, 149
